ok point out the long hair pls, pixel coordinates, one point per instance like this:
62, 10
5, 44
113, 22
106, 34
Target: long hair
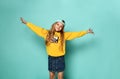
51, 33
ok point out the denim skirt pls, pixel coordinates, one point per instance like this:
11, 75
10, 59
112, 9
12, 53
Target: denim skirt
56, 64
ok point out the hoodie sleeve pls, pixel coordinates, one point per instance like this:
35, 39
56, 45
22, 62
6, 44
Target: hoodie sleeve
73, 35
37, 29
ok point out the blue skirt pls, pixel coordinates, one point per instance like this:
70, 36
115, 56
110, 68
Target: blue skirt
56, 64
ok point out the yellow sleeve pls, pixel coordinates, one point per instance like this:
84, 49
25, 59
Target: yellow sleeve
38, 30
73, 35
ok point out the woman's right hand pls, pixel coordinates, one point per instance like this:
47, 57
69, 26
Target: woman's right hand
90, 31
23, 21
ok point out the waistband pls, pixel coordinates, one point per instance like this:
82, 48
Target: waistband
55, 56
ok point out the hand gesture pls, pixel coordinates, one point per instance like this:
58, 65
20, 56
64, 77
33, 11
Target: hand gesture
90, 31
23, 21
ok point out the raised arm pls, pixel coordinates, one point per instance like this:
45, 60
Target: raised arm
37, 29
73, 35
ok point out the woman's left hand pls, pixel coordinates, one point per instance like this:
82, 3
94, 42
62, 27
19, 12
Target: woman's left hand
90, 31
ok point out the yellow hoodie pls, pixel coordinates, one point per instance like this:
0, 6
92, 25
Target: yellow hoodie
54, 48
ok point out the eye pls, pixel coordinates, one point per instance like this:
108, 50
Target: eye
58, 24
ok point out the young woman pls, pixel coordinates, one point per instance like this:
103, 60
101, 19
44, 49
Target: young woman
55, 39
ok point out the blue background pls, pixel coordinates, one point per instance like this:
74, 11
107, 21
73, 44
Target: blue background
23, 54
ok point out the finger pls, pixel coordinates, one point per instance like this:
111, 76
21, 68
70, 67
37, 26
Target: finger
92, 32
21, 18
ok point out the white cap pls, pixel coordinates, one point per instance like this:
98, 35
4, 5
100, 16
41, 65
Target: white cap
61, 21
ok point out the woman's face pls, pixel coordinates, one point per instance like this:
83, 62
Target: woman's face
58, 26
